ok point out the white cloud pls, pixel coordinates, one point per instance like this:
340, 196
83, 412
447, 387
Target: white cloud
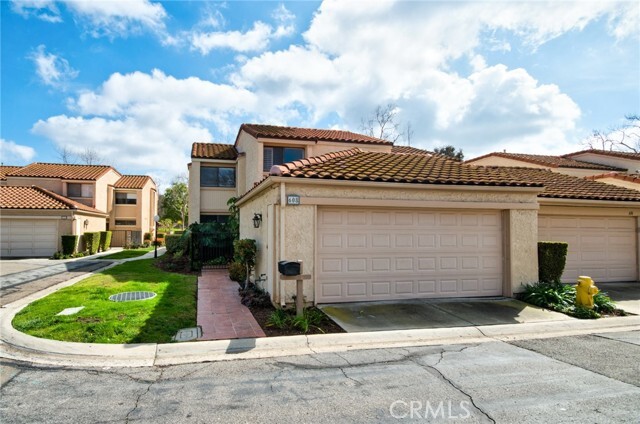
117, 18
358, 55
255, 39
15, 154
103, 18
148, 121
52, 70
45, 10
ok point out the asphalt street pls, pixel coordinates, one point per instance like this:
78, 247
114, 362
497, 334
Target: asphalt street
583, 379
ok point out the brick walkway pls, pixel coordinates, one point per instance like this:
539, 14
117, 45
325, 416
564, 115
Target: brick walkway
220, 313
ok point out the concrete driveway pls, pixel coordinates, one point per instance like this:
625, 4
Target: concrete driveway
435, 313
626, 295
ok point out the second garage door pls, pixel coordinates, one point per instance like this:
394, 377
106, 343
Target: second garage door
371, 254
604, 248
28, 237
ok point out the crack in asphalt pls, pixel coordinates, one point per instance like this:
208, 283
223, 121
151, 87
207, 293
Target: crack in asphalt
440, 375
151, 383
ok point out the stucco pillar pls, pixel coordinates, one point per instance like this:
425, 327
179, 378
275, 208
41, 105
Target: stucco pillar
522, 245
300, 242
194, 192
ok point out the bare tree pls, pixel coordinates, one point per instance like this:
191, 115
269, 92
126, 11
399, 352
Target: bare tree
408, 133
66, 155
90, 156
383, 123
624, 137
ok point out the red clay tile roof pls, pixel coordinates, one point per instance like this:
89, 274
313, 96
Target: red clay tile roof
7, 169
634, 178
33, 197
61, 170
546, 160
132, 181
310, 134
214, 151
408, 150
563, 186
354, 164
626, 155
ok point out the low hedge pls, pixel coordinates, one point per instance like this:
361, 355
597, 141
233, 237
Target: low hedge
552, 258
69, 244
105, 240
175, 243
92, 242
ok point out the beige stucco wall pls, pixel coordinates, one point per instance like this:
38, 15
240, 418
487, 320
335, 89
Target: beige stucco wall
214, 200
51, 184
426, 192
522, 245
295, 235
194, 192
629, 164
260, 204
101, 189
252, 149
578, 172
620, 183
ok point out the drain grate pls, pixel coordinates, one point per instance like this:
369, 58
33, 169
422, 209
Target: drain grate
131, 296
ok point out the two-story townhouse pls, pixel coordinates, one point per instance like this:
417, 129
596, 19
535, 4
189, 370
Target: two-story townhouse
218, 172
95, 195
371, 221
133, 203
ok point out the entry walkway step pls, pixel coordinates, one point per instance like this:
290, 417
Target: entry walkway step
220, 313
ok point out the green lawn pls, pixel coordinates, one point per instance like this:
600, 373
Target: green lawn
129, 253
104, 321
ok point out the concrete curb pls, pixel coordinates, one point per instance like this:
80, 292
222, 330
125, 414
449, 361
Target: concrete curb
22, 347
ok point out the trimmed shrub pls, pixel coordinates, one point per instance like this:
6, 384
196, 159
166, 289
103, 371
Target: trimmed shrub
552, 258
92, 242
175, 243
69, 244
147, 237
237, 272
105, 240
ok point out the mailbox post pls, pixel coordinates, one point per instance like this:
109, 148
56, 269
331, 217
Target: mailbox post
287, 269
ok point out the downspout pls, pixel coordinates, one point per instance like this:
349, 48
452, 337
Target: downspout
283, 202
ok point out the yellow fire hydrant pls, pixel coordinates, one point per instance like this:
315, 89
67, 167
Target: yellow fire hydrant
585, 290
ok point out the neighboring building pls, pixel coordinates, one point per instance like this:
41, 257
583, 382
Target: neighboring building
33, 219
623, 180
132, 205
218, 172
561, 164
126, 204
372, 223
628, 161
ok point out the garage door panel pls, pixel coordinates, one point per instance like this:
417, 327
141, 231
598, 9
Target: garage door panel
28, 237
405, 254
603, 248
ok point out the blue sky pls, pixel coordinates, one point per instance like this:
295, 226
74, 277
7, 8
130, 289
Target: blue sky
139, 81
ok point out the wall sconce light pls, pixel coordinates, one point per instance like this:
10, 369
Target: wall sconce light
86, 223
257, 219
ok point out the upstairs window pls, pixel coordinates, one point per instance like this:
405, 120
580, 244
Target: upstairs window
279, 155
214, 176
126, 222
126, 198
78, 190
222, 219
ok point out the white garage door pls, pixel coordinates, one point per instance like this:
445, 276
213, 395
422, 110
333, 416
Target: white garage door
28, 238
369, 254
603, 248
